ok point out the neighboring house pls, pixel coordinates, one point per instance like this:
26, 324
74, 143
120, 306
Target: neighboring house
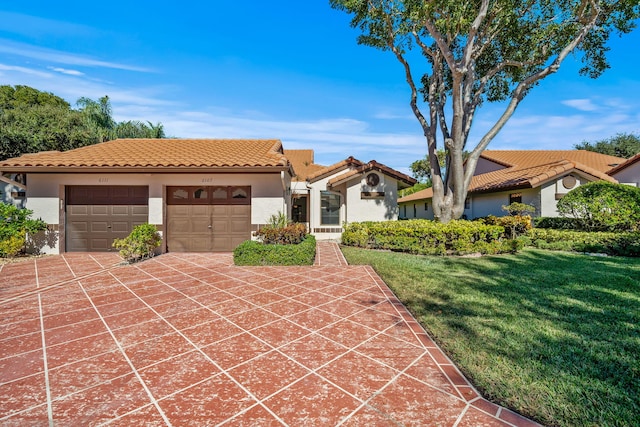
535, 177
202, 194
627, 172
13, 189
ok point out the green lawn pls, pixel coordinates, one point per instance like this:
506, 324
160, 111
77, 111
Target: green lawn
552, 335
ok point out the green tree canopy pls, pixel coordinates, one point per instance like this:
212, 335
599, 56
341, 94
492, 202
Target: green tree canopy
33, 121
478, 51
622, 145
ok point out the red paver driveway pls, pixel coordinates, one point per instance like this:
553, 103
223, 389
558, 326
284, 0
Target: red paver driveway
190, 339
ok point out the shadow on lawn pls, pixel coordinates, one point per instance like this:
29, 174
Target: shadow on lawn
577, 318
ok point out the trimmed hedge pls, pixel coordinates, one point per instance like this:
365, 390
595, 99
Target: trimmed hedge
619, 244
419, 236
558, 223
252, 252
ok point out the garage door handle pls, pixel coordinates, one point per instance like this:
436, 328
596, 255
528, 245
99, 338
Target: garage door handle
108, 226
209, 226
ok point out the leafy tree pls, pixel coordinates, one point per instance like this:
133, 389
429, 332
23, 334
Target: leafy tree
33, 121
98, 113
25, 96
136, 129
602, 206
478, 51
622, 145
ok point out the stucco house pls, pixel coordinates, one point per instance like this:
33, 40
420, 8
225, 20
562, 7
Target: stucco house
627, 172
536, 177
325, 197
202, 194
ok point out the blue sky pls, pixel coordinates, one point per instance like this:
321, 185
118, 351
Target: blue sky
288, 69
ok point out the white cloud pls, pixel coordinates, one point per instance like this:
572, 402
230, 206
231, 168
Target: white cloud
24, 70
66, 71
55, 56
580, 104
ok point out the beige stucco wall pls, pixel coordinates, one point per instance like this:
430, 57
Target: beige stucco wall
629, 175
482, 205
421, 208
45, 192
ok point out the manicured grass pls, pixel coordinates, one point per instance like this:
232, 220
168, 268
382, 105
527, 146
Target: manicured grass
552, 335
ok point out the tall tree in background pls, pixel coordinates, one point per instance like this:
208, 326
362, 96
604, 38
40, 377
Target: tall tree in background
32, 121
476, 51
99, 114
622, 145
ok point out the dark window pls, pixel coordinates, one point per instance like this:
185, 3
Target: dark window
515, 198
329, 208
209, 195
415, 211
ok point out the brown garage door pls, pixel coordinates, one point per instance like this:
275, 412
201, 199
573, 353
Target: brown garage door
208, 219
95, 215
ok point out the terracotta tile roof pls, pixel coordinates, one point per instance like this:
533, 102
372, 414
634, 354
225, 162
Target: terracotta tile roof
624, 165
529, 177
528, 158
159, 154
530, 169
427, 193
372, 165
330, 170
302, 162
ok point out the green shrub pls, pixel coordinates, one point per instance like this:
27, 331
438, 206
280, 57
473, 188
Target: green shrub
12, 245
558, 223
426, 237
290, 234
519, 209
140, 244
15, 226
516, 225
603, 206
620, 244
252, 252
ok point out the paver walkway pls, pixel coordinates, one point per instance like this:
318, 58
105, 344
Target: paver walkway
190, 339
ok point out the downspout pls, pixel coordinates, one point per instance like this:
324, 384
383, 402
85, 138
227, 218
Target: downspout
286, 192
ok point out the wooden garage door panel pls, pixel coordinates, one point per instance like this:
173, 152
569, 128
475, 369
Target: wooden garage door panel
207, 228
112, 214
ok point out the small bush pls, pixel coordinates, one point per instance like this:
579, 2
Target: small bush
12, 245
252, 252
15, 226
603, 206
519, 209
515, 225
140, 244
